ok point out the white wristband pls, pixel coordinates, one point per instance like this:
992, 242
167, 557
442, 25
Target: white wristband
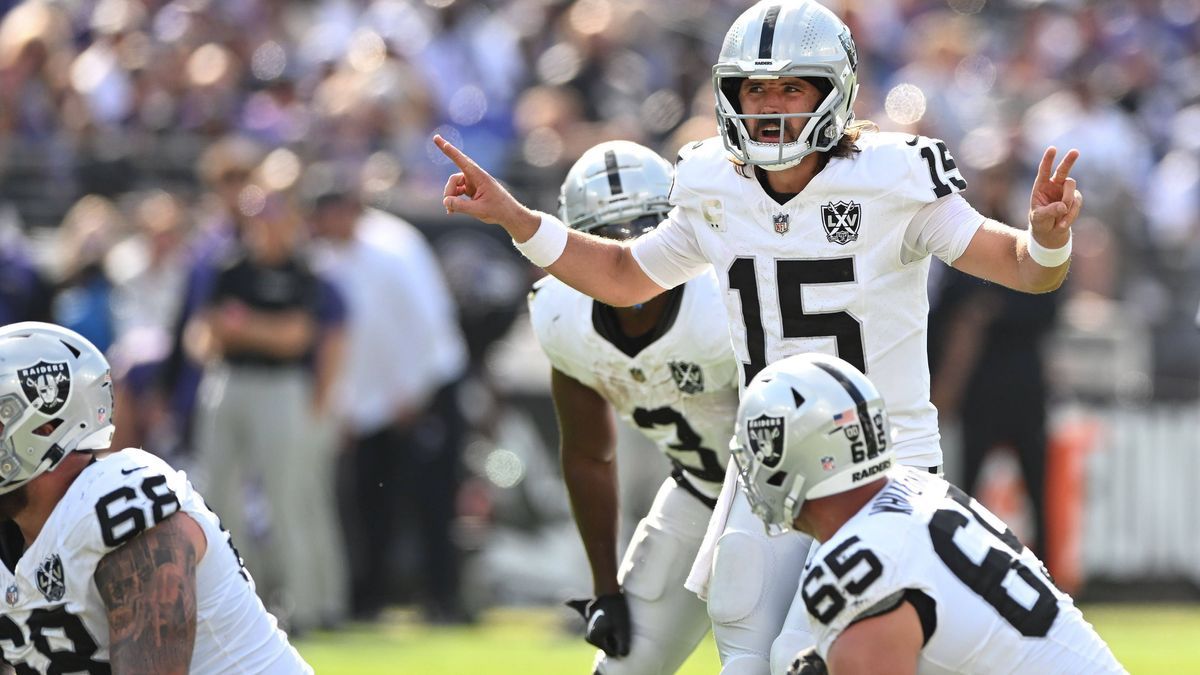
547, 244
1050, 257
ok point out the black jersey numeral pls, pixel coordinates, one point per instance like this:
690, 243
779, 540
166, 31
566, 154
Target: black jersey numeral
826, 601
124, 522
688, 440
986, 578
48, 630
947, 173
791, 276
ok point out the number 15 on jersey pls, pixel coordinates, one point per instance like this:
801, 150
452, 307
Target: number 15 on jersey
791, 276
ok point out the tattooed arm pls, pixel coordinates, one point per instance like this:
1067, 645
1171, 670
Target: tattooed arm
149, 588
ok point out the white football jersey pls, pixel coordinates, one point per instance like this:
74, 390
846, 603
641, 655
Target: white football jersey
986, 603
53, 618
681, 390
836, 269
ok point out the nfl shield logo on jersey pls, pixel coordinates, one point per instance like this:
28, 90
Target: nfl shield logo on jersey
688, 376
766, 439
46, 385
12, 595
827, 463
841, 221
50, 579
782, 222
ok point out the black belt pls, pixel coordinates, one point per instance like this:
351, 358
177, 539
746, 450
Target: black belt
683, 482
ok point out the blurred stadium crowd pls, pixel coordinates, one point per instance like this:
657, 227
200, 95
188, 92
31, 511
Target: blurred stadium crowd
144, 141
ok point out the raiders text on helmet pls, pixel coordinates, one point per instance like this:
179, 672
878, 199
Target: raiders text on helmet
617, 189
808, 426
786, 38
55, 396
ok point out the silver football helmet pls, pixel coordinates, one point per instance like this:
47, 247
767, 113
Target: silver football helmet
786, 38
808, 426
55, 397
617, 189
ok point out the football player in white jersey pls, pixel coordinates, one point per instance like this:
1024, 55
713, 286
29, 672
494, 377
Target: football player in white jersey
819, 229
111, 562
667, 368
910, 574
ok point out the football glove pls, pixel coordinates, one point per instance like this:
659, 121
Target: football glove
608, 625
808, 662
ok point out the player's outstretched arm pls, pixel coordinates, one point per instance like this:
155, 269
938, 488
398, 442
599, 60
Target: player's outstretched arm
601, 268
889, 643
149, 588
1033, 260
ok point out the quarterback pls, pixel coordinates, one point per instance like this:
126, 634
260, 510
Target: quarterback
111, 561
819, 230
668, 369
910, 574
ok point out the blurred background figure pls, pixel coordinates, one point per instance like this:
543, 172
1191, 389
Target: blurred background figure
254, 333
396, 397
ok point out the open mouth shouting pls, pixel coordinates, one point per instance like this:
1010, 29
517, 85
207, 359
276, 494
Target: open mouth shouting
769, 131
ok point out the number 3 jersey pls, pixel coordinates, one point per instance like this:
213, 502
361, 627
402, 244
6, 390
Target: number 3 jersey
985, 602
53, 619
837, 269
680, 390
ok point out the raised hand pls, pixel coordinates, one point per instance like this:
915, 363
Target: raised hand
474, 192
1055, 202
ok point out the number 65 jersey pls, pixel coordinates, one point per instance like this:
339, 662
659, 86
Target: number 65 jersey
680, 390
986, 603
53, 619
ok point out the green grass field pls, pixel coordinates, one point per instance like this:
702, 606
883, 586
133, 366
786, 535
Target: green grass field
1146, 638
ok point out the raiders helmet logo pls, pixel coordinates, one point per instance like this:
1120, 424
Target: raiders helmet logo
841, 221
782, 222
46, 385
688, 376
50, 579
766, 439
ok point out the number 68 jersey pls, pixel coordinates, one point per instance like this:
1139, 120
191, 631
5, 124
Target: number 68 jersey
680, 390
986, 603
53, 619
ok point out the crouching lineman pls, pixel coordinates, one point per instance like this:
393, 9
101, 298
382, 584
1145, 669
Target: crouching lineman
111, 561
667, 367
910, 574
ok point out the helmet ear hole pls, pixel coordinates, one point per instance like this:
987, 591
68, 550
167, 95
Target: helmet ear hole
48, 428
777, 478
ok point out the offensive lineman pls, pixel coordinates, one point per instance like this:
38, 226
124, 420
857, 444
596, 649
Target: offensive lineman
819, 231
111, 561
910, 573
666, 367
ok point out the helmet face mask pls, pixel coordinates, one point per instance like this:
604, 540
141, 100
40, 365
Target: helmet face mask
617, 190
777, 39
55, 397
808, 426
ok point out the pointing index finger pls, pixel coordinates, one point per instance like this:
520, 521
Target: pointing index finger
464, 163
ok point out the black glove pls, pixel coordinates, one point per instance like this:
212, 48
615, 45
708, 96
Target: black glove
607, 620
808, 662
